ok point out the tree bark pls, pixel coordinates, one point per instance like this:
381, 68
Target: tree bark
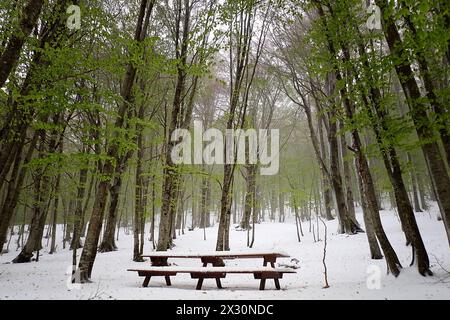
41, 188
10, 55
14, 186
327, 196
347, 178
413, 178
345, 224
375, 251
55, 208
77, 223
249, 195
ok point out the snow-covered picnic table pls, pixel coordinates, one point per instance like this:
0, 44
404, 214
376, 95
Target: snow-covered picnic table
160, 266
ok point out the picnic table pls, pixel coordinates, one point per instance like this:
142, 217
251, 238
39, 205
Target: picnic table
160, 266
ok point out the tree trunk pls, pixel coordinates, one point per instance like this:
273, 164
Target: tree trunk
108, 243
55, 209
41, 188
327, 196
10, 55
281, 205
77, 223
204, 205
413, 177
375, 251
345, 225
248, 204
348, 179
225, 210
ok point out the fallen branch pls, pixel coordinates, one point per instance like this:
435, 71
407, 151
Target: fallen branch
324, 255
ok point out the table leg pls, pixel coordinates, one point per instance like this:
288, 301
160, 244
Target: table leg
219, 284
159, 261
199, 284
146, 281
168, 280
277, 284
269, 259
262, 284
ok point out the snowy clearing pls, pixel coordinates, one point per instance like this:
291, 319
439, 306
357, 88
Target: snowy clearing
348, 261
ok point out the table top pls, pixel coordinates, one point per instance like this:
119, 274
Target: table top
216, 254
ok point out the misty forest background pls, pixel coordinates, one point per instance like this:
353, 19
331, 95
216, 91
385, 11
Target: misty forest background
86, 115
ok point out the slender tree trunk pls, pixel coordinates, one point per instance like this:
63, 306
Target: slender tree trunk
345, 225
375, 251
248, 202
77, 223
415, 192
108, 243
327, 196
225, 210
204, 209
281, 205
422, 193
152, 226
208, 205
348, 179
55, 209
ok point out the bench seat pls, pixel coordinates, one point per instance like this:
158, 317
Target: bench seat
200, 273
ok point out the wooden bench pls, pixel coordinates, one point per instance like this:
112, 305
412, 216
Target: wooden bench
201, 273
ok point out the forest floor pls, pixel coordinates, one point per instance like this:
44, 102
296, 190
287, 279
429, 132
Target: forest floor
349, 267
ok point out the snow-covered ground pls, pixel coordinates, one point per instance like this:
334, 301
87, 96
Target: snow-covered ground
350, 268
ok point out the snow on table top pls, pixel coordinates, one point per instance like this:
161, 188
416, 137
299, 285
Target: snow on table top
216, 269
222, 254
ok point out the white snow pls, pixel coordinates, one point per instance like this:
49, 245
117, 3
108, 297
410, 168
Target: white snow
351, 272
